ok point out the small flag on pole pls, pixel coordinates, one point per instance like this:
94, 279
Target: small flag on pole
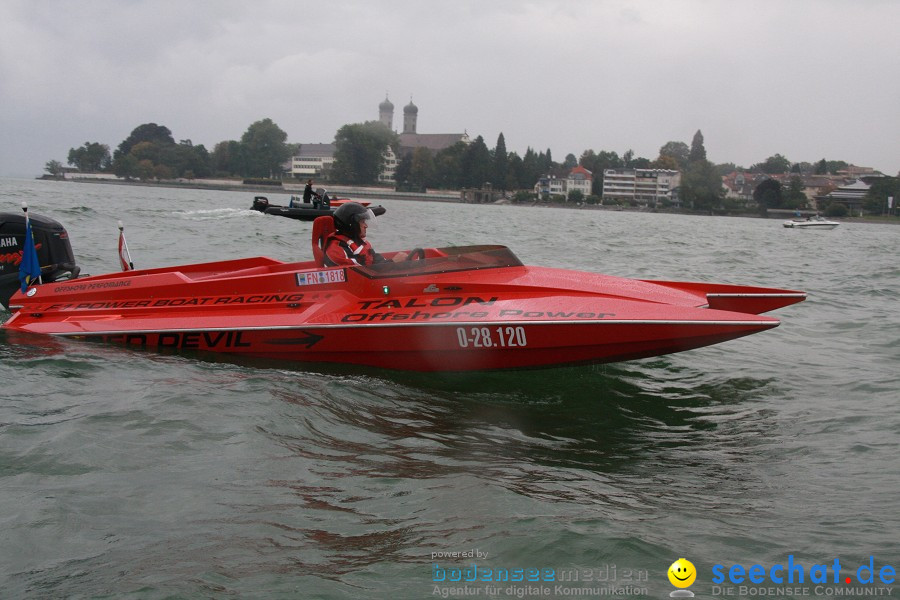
30, 269
124, 254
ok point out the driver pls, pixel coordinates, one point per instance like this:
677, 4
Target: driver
348, 245
308, 192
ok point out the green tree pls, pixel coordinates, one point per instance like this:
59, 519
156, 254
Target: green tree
161, 172
576, 196
531, 169
821, 167
147, 151
154, 143
90, 158
500, 175
833, 166
677, 152
145, 169
724, 169
184, 157
359, 152
701, 186
881, 189
448, 166
54, 168
264, 149
227, 158
476, 164
515, 179
774, 165
794, 197
421, 172
597, 163
640, 163
666, 162
126, 166
546, 161
698, 152
148, 132
402, 172
768, 195
836, 209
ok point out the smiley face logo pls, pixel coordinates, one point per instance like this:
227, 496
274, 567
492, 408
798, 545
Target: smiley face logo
682, 573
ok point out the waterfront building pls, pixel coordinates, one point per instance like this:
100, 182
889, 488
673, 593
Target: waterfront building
578, 179
643, 187
312, 161
820, 189
850, 195
390, 166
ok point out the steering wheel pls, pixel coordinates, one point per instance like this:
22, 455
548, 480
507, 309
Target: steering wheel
416, 254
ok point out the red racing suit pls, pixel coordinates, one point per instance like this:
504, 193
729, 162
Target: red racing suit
342, 251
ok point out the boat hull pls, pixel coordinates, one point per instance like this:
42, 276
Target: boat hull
305, 211
811, 224
446, 347
440, 314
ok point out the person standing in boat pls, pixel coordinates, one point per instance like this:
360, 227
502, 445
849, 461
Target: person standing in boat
348, 246
308, 192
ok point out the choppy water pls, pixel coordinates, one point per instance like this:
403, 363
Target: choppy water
128, 474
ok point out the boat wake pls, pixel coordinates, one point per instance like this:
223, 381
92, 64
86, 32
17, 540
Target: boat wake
214, 214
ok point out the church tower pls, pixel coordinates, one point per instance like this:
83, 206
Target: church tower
386, 113
410, 114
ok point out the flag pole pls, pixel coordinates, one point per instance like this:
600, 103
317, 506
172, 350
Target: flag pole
28, 232
125, 246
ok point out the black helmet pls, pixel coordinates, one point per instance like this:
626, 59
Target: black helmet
347, 217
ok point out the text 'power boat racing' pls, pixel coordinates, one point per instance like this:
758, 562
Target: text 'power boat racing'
465, 308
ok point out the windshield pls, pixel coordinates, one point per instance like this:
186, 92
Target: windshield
443, 260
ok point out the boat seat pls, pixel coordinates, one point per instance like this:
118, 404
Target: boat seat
322, 227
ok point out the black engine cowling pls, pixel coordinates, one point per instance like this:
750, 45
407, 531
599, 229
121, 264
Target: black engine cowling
53, 249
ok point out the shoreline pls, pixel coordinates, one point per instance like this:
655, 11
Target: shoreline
435, 196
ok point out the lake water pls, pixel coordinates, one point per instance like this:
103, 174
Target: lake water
130, 474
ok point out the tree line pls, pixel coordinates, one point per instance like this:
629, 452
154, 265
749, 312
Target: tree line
151, 152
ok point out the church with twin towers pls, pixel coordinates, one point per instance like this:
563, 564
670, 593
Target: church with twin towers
410, 139
314, 160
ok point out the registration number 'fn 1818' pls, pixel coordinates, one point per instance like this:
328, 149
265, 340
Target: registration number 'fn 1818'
485, 337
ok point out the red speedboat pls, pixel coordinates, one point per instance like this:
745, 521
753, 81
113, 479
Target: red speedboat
448, 309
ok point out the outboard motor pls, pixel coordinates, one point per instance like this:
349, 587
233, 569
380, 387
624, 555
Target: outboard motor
53, 249
324, 201
260, 203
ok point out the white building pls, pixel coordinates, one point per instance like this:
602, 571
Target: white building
578, 179
390, 166
581, 180
647, 187
311, 161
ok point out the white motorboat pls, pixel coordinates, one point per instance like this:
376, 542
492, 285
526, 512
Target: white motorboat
815, 222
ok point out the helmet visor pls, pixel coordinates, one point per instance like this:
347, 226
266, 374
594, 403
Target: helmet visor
368, 216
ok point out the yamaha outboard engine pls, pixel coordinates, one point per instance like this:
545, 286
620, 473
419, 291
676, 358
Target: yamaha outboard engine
260, 203
53, 249
323, 201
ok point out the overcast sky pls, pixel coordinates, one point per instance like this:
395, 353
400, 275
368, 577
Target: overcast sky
808, 79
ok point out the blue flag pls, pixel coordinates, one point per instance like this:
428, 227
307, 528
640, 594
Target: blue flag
30, 269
